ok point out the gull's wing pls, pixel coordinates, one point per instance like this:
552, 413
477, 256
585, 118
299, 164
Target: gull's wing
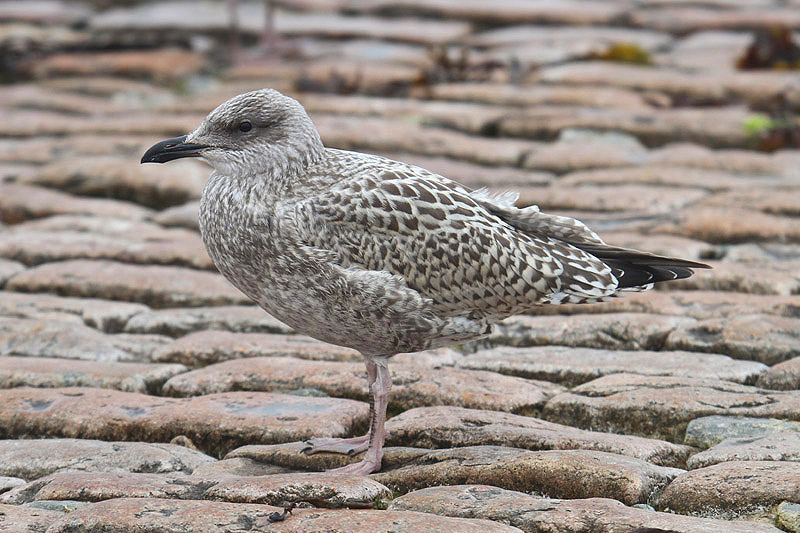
467, 252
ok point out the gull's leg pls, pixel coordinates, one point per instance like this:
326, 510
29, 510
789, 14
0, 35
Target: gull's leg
379, 393
233, 29
269, 37
352, 445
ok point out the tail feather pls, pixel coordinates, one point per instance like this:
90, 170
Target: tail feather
633, 268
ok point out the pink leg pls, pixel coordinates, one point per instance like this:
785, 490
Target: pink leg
379, 400
352, 445
269, 37
233, 18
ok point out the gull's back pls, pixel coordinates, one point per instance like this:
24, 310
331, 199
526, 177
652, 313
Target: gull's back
470, 254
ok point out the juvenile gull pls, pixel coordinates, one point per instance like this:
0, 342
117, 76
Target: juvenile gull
384, 257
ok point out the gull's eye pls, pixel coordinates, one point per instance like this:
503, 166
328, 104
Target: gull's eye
245, 126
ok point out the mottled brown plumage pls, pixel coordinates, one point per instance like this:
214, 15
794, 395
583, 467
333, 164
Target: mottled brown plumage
384, 257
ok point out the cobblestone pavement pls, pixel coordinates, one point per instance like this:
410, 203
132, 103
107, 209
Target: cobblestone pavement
141, 392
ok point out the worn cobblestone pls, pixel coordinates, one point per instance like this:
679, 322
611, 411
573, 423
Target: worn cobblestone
631, 116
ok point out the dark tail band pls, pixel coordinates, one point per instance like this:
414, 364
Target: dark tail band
633, 268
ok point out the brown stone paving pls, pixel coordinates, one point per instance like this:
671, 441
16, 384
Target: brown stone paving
70, 339
554, 473
156, 286
447, 427
699, 304
619, 331
377, 134
49, 372
491, 93
108, 226
573, 366
7, 483
178, 322
28, 122
183, 216
783, 376
331, 490
37, 247
104, 283
238, 466
661, 407
698, 87
14, 518
130, 515
741, 337
210, 347
113, 176
711, 180
733, 225
756, 277
531, 513
8, 268
35, 458
738, 486
708, 431
653, 127
23, 202
43, 150
778, 446
412, 385
162, 65
613, 198
215, 423
289, 456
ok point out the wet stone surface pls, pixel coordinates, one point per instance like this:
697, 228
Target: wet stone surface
131, 372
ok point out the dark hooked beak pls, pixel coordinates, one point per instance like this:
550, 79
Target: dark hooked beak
172, 149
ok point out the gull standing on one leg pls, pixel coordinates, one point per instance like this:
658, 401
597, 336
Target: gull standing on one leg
377, 255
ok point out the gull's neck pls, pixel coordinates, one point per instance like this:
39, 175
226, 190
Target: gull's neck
276, 171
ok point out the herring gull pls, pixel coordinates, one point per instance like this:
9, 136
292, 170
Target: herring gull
381, 256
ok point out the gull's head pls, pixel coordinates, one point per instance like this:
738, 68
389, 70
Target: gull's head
256, 132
